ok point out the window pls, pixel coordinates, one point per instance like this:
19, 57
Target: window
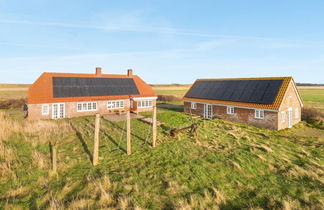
296, 113
230, 110
87, 106
259, 114
45, 109
79, 107
283, 116
144, 103
115, 104
193, 105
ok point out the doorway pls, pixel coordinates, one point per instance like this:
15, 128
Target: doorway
58, 110
208, 111
289, 117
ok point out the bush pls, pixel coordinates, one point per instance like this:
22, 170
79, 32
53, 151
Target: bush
12, 103
313, 117
312, 114
169, 98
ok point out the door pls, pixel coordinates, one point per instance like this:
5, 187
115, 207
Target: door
208, 111
289, 117
58, 111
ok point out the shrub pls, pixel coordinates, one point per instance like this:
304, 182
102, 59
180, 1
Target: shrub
311, 114
313, 117
12, 103
168, 98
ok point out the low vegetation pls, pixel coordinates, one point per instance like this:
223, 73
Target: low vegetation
225, 165
12, 103
314, 117
168, 98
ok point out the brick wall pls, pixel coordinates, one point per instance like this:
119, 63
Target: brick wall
146, 109
241, 115
290, 101
35, 110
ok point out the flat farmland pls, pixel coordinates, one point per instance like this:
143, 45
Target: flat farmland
175, 90
13, 91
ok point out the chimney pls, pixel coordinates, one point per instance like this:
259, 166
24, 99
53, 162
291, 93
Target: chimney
129, 72
98, 71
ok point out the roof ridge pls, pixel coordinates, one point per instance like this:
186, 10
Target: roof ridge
245, 78
85, 74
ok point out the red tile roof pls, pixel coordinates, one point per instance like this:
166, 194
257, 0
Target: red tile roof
42, 89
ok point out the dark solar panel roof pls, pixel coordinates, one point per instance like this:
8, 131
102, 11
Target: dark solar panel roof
249, 91
89, 86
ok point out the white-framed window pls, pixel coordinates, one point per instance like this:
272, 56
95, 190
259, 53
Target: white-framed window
144, 103
296, 113
283, 116
193, 105
86, 106
230, 110
259, 114
45, 109
58, 110
115, 104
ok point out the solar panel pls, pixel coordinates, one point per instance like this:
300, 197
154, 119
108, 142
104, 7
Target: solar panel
89, 86
250, 91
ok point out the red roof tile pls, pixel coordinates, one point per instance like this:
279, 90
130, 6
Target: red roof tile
42, 89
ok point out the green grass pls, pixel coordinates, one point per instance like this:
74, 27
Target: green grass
312, 95
227, 164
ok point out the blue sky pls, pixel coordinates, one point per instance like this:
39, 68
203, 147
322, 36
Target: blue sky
163, 41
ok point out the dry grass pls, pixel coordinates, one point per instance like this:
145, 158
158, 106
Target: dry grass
213, 199
312, 114
40, 160
227, 165
170, 98
43, 130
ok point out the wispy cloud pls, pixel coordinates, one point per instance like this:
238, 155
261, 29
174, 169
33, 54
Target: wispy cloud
132, 24
36, 46
282, 45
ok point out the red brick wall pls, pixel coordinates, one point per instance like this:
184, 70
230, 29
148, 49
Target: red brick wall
146, 109
35, 110
241, 115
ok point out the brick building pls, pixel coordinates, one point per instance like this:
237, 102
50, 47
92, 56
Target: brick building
66, 95
272, 103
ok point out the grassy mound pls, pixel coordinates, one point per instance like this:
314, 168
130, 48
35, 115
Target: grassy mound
226, 165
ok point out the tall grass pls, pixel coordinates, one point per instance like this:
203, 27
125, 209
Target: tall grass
225, 165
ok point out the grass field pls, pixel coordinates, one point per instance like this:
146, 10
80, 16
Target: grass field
176, 90
9, 91
226, 165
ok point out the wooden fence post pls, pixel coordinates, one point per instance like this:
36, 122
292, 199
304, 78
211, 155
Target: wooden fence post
154, 126
129, 146
54, 157
96, 141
